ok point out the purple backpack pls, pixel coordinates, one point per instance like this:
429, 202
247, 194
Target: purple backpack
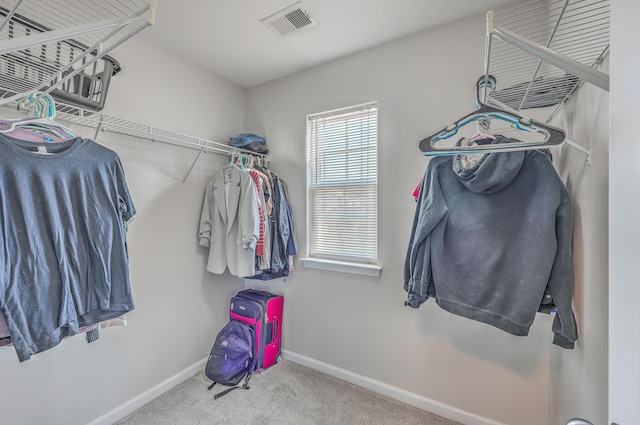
232, 357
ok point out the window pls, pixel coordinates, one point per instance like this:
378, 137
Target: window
342, 185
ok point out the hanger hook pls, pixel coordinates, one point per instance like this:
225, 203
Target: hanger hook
484, 126
41, 104
49, 103
491, 82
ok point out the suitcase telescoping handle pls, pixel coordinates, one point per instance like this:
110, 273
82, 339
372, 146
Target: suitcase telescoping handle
257, 292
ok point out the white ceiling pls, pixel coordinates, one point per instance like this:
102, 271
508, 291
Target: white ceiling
226, 36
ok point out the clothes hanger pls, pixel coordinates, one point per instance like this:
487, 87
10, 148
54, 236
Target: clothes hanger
238, 159
483, 127
235, 159
553, 136
252, 161
43, 108
245, 160
26, 129
232, 162
49, 108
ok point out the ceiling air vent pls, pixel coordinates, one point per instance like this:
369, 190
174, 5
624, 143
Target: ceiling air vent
290, 20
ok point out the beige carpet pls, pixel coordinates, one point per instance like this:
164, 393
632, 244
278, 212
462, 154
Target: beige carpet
285, 394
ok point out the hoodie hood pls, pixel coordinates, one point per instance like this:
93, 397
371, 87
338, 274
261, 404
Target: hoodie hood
488, 172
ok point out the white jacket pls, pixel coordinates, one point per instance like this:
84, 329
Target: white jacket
230, 224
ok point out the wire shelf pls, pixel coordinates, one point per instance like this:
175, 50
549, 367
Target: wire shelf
61, 46
574, 29
101, 122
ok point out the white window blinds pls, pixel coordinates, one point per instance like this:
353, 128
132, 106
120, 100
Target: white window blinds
342, 184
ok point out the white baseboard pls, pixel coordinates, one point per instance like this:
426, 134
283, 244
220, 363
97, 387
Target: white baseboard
429, 405
412, 399
144, 398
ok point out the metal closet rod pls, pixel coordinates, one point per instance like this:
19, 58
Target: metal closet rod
106, 123
587, 73
231, 151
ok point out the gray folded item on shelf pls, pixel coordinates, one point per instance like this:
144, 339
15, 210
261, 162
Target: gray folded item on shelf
257, 147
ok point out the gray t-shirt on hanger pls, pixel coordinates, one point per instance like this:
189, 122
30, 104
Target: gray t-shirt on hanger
63, 259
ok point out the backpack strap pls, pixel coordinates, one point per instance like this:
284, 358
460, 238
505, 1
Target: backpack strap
246, 381
227, 391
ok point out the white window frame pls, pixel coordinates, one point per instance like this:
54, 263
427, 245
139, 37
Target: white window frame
343, 260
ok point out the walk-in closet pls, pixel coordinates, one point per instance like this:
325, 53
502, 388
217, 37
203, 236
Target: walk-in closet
439, 197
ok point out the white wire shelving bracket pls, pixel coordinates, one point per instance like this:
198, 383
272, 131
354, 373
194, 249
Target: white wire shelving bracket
43, 45
101, 122
541, 52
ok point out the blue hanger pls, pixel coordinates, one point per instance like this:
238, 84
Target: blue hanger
552, 136
43, 107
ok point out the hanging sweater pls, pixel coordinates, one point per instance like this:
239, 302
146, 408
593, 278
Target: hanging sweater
490, 233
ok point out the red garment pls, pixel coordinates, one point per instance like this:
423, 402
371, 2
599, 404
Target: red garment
416, 193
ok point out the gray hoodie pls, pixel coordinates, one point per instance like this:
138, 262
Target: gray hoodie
491, 232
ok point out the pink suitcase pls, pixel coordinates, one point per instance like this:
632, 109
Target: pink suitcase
262, 310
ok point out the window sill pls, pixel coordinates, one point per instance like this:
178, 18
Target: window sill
342, 266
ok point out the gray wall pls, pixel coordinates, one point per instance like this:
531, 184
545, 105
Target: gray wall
579, 377
357, 327
179, 306
624, 210
352, 326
